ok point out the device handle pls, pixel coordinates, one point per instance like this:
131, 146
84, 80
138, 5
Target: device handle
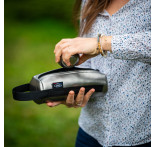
23, 93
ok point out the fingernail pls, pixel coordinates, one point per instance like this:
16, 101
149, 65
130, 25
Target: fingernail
82, 89
93, 90
71, 92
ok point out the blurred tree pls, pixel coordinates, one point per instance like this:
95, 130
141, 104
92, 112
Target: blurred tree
32, 28
38, 9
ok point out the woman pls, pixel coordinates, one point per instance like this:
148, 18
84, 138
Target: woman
122, 116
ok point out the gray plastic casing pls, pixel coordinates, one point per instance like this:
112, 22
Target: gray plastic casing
69, 78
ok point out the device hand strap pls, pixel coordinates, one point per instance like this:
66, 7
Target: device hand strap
23, 93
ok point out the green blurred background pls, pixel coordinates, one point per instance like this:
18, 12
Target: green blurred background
32, 28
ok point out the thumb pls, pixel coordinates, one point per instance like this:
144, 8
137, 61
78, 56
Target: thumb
84, 57
52, 104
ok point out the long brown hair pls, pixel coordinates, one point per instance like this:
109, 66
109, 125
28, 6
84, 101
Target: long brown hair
88, 13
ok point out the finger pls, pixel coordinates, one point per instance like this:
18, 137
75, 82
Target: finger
66, 58
59, 43
70, 99
67, 53
57, 46
65, 45
80, 96
87, 97
52, 104
58, 55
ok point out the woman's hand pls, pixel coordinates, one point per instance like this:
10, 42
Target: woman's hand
68, 47
80, 101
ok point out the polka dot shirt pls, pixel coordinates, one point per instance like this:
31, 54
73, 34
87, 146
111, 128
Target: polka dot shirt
122, 116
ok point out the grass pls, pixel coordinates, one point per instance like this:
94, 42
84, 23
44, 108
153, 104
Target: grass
29, 51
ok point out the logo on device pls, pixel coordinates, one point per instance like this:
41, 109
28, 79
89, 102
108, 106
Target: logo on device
57, 85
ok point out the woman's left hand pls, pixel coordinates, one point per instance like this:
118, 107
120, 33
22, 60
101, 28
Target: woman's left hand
68, 47
71, 101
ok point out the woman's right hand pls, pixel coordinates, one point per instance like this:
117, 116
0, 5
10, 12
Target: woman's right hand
87, 47
80, 101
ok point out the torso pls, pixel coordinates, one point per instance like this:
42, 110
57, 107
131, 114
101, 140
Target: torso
122, 115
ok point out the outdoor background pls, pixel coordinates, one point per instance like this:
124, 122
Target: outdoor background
32, 28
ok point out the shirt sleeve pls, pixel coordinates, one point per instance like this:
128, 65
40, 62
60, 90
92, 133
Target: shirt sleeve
132, 46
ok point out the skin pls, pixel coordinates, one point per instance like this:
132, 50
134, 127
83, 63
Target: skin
81, 99
87, 48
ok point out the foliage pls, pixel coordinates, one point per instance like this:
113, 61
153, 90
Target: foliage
29, 51
37, 9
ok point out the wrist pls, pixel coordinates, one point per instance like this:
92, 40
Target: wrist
94, 46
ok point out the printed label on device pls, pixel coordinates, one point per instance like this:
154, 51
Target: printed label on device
57, 85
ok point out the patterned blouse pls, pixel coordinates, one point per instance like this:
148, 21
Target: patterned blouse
122, 116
